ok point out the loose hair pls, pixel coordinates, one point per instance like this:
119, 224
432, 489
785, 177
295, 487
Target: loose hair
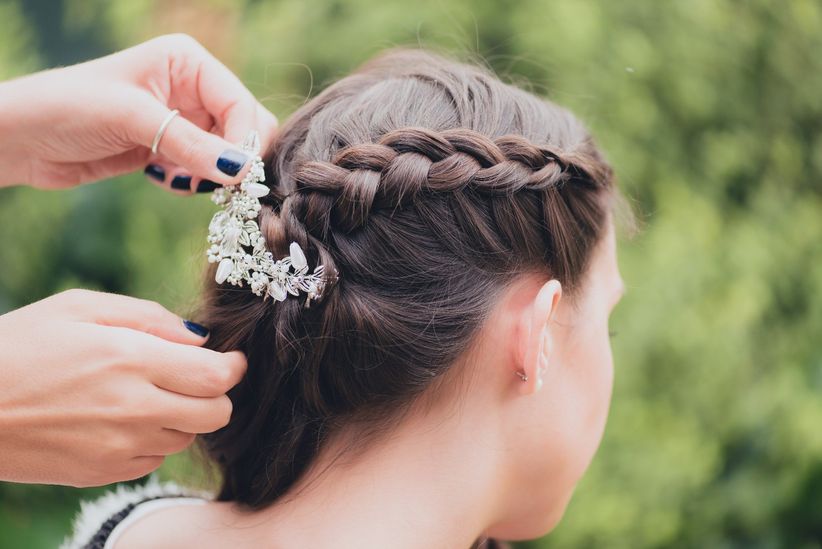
430, 186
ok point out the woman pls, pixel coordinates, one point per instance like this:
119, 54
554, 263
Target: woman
451, 382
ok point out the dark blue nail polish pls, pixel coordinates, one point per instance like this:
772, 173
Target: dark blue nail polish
181, 183
231, 162
155, 172
206, 186
198, 329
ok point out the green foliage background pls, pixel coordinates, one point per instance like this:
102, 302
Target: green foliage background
710, 111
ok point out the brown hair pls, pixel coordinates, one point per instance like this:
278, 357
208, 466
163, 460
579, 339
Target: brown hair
429, 185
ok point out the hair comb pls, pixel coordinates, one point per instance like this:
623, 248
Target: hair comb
238, 246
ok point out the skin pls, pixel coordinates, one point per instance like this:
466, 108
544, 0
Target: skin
500, 457
73, 125
100, 387
94, 387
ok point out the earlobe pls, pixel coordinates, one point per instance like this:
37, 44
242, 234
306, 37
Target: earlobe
537, 336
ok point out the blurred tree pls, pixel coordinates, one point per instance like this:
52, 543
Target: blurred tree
710, 112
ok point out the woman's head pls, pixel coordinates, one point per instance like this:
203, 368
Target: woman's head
469, 223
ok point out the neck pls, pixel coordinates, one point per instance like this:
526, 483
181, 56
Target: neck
433, 483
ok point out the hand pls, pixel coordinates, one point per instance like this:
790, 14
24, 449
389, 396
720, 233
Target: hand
97, 388
98, 119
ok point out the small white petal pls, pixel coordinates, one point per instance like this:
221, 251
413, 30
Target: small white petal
232, 234
297, 256
276, 291
257, 190
224, 269
218, 221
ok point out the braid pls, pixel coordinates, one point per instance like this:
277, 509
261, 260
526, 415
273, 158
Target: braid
284, 222
407, 163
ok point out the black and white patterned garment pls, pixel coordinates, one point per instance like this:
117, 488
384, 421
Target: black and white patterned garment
100, 522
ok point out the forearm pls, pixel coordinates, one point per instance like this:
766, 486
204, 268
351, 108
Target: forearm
17, 106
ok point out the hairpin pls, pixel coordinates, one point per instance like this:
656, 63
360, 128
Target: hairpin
238, 246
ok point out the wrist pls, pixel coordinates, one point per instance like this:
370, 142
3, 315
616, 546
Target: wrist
13, 159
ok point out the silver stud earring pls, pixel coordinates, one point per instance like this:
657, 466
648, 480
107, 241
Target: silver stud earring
523, 377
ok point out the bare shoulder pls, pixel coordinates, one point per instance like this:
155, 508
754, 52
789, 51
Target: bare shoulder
207, 525
100, 522
171, 523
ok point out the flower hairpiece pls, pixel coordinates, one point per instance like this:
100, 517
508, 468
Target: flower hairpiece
238, 246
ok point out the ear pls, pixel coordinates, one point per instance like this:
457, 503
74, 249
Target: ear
535, 335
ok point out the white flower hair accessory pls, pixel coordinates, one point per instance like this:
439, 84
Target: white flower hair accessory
238, 246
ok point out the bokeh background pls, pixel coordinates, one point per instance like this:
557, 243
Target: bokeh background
710, 111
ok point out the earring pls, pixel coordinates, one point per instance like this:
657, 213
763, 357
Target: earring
524, 377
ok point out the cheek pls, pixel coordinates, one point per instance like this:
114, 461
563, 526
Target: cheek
589, 377
595, 382
601, 379
570, 422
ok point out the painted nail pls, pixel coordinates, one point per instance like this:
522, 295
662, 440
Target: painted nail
181, 183
206, 186
231, 162
155, 172
198, 329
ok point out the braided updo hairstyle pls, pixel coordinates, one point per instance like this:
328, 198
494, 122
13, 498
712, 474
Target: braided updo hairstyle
430, 186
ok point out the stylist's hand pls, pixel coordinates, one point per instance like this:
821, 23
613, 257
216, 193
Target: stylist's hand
98, 119
97, 388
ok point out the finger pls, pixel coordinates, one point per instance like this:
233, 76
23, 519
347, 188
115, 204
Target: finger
115, 165
161, 170
137, 467
200, 118
189, 370
166, 441
196, 415
156, 172
173, 367
171, 177
204, 185
180, 182
223, 95
200, 185
129, 312
197, 151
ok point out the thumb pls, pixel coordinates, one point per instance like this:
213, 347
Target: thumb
129, 312
199, 152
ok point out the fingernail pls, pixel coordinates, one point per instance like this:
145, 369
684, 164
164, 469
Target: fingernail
155, 172
198, 329
231, 162
181, 183
206, 186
